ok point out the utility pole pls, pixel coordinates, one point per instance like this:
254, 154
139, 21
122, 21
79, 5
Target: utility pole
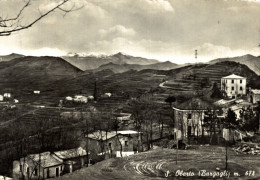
196, 56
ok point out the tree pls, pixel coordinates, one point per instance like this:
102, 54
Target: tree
9, 25
216, 92
170, 100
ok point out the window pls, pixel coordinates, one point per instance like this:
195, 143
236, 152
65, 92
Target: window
241, 81
232, 81
241, 88
126, 143
109, 145
21, 168
233, 88
189, 116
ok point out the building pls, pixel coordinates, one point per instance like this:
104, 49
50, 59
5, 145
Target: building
36, 92
254, 95
48, 165
1, 98
189, 116
7, 95
38, 166
73, 159
116, 144
233, 85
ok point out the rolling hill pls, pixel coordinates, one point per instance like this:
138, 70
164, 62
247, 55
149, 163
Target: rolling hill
119, 68
10, 57
34, 72
252, 62
93, 62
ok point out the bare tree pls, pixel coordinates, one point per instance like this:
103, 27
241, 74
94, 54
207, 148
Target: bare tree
9, 25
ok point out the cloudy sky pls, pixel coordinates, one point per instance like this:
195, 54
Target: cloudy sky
158, 29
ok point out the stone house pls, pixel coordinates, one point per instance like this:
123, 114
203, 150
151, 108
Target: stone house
73, 159
254, 95
49, 165
112, 143
233, 85
38, 166
189, 116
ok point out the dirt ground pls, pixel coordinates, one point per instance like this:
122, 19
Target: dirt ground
198, 162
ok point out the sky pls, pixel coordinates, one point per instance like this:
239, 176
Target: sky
156, 29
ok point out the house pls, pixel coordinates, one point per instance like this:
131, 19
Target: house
107, 95
73, 159
48, 165
254, 95
116, 144
80, 99
16, 101
7, 95
34, 166
124, 118
189, 116
1, 98
36, 92
233, 85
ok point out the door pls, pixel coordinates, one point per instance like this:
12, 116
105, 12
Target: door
57, 171
189, 131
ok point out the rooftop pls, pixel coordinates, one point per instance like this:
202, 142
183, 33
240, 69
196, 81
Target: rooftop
101, 135
46, 159
195, 104
255, 91
71, 153
233, 76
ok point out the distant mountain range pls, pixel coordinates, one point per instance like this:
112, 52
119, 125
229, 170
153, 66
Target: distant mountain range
252, 62
119, 68
93, 62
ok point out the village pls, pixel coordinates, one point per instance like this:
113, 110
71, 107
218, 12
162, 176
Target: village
232, 121
133, 89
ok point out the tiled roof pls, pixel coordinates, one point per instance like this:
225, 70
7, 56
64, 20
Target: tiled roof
233, 76
46, 159
71, 153
101, 135
195, 104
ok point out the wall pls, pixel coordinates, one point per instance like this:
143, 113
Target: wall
182, 122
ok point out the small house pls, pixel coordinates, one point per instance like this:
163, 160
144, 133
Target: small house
80, 99
7, 95
16, 101
107, 95
73, 159
1, 98
36, 92
254, 95
116, 144
38, 166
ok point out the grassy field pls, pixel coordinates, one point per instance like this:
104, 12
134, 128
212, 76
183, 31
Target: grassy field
159, 163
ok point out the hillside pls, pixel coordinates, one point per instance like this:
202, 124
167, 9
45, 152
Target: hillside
252, 62
27, 73
93, 62
119, 68
10, 57
189, 79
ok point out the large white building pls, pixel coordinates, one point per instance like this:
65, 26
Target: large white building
233, 85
